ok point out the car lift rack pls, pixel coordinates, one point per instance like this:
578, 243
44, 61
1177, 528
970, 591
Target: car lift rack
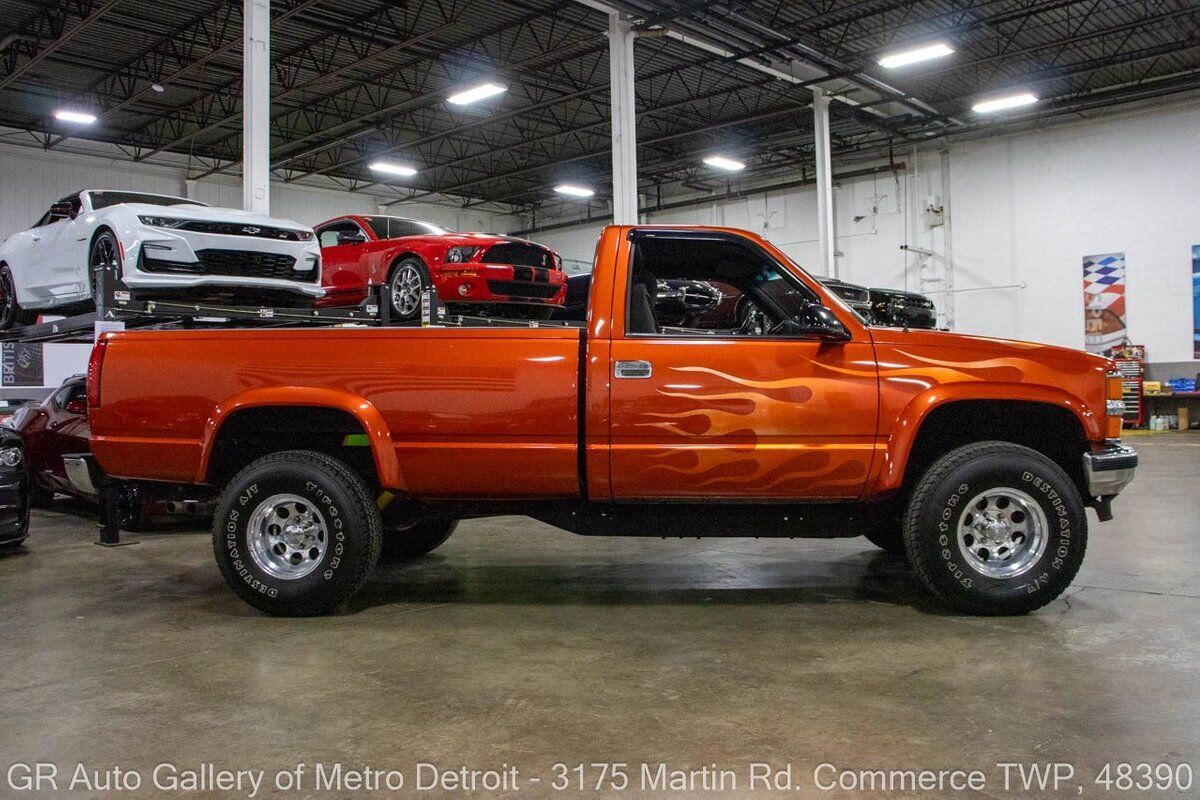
120, 304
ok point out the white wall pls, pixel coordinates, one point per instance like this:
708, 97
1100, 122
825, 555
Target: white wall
1028, 208
1023, 208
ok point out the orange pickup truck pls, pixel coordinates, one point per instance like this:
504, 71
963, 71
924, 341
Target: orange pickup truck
778, 413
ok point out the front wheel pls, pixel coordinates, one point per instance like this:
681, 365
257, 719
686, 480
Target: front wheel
295, 533
409, 281
995, 528
105, 256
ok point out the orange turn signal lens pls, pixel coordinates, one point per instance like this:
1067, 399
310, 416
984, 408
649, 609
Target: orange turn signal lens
1115, 387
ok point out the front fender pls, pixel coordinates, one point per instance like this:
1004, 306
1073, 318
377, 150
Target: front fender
908, 424
386, 463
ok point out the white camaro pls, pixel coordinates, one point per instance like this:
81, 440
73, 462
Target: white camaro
171, 245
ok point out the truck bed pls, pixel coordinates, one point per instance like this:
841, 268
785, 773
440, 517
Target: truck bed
480, 412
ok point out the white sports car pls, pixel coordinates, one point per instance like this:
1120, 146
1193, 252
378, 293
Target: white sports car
171, 245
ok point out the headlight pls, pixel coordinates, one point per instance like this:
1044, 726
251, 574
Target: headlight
10, 457
304, 236
161, 222
459, 255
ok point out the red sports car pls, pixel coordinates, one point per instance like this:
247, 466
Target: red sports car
470, 270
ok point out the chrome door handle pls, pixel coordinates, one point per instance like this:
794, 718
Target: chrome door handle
633, 369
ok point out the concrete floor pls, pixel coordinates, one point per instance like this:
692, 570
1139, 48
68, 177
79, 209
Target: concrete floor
519, 644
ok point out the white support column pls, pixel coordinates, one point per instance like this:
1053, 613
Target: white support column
624, 121
256, 106
825, 230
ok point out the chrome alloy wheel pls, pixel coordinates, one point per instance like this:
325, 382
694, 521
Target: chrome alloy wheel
287, 536
1002, 533
406, 290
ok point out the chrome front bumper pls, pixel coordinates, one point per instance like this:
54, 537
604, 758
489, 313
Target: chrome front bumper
1109, 470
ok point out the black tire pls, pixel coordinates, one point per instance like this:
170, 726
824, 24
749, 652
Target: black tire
952, 541
11, 313
414, 541
103, 254
401, 284
347, 533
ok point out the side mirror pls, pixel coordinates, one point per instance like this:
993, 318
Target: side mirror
60, 211
819, 322
346, 237
77, 407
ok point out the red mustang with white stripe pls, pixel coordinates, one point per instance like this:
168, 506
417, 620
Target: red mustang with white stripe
471, 270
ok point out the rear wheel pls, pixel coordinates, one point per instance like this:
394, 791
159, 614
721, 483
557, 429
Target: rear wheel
295, 533
416, 540
995, 528
11, 312
105, 255
409, 281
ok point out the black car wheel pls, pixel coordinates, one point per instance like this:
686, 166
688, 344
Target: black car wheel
105, 256
995, 528
295, 533
408, 282
11, 312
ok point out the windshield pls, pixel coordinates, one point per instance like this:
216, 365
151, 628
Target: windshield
105, 199
395, 227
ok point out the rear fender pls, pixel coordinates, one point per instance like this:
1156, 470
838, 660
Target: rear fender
372, 422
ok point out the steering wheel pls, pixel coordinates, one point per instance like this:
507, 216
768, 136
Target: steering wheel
754, 321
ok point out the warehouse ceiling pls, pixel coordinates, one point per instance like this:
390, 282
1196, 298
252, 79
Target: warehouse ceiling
355, 81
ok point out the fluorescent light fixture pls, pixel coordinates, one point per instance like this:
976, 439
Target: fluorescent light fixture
574, 191
474, 95
906, 57
388, 168
727, 164
1004, 103
80, 117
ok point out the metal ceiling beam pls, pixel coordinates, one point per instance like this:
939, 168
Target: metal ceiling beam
650, 111
231, 119
232, 87
408, 104
209, 30
50, 22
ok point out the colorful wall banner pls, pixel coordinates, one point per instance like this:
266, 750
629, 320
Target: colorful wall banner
1104, 301
1196, 300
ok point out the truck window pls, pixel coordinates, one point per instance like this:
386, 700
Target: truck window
704, 287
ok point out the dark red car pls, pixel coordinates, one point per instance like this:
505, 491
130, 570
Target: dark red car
55, 428
472, 271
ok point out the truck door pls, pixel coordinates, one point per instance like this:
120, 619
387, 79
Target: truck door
727, 381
